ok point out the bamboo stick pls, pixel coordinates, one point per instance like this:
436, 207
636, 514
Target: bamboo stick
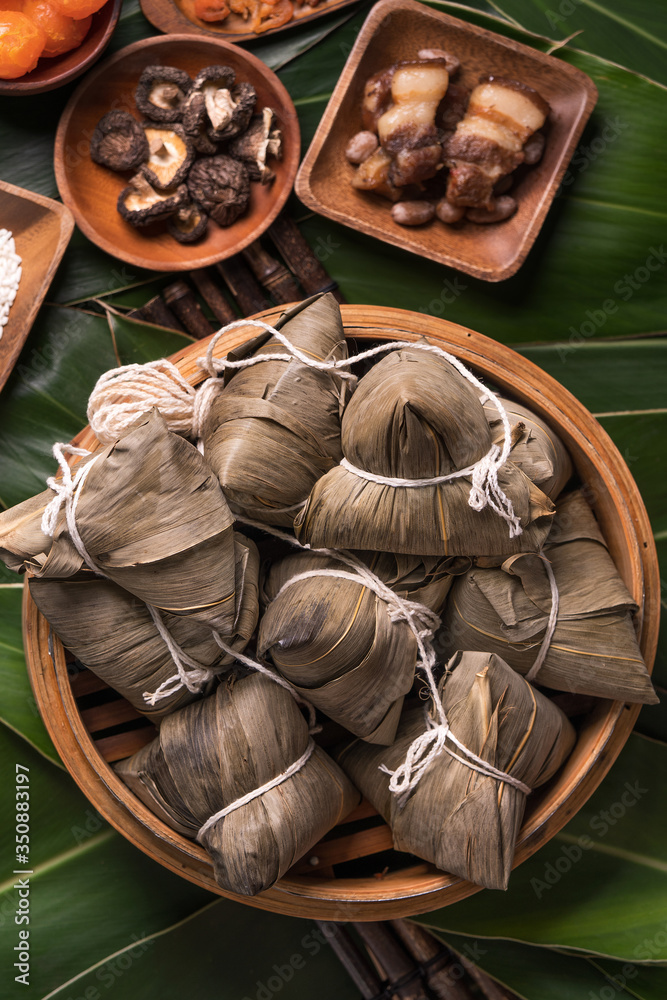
352, 959
272, 275
183, 302
213, 297
402, 972
155, 311
440, 967
301, 258
243, 286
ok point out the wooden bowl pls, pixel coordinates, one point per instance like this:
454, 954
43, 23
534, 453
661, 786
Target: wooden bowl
89, 736
52, 73
91, 191
179, 16
395, 30
41, 229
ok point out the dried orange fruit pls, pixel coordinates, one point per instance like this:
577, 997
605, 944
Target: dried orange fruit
272, 14
62, 33
21, 44
78, 8
210, 10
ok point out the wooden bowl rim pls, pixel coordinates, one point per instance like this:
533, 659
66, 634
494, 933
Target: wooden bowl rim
421, 888
50, 75
408, 238
187, 256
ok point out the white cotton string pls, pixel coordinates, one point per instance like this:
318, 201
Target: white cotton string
551, 624
261, 668
485, 489
256, 792
412, 612
417, 483
203, 399
123, 394
68, 490
213, 366
193, 679
422, 623
160, 384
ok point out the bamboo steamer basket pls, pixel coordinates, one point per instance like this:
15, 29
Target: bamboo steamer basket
92, 727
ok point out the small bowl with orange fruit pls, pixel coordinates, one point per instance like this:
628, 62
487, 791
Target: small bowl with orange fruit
46, 43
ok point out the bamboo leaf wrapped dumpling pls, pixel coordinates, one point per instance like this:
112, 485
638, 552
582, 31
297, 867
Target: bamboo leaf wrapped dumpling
536, 448
213, 753
152, 517
113, 633
275, 427
460, 820
506, 609
339, 643
414, 417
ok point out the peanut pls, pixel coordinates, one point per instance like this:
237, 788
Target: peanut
532, 151
361, 146
504, 207
447, 212
412, 213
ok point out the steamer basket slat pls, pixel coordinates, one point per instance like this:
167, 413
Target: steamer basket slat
92, 727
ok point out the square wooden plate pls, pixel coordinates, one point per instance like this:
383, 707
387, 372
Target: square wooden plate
41, 228
396, 30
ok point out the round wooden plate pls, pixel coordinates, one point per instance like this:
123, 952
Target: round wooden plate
52, 73
91, 191
311, 889
179, 15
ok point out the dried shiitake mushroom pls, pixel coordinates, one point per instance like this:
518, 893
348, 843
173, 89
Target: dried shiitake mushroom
195, 122
119, 142
170, 155
140, 204
161, 93
254, 146
186, 119
188, 224
229, 105
221, 186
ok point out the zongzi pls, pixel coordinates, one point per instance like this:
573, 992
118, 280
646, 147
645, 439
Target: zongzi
219, 753
149, 515
275, 427
340, 643
536, 448
413, 417
593, 649
114, 634
461, 820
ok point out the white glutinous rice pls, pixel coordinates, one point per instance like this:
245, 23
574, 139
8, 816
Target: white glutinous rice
10, 275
